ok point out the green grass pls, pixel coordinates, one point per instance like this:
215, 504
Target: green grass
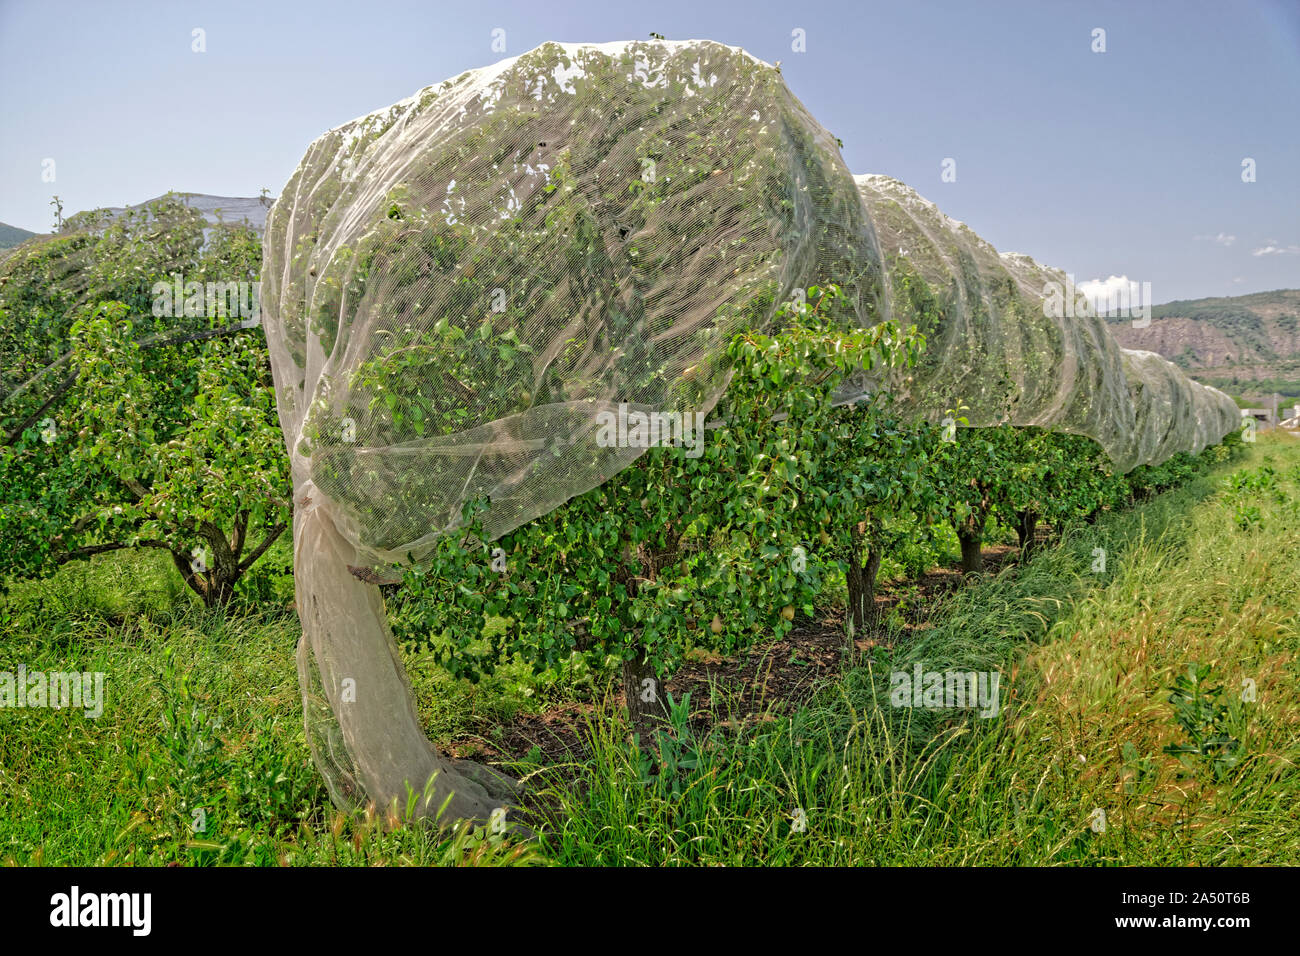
1201, 574
201, 711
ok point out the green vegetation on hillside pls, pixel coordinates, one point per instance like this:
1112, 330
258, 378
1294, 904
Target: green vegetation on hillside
1261, 354
11, 236
1237, 313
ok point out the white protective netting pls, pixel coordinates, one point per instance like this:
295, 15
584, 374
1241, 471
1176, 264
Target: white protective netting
456, 286
992, 344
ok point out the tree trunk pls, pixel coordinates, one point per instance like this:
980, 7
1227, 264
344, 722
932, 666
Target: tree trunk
644, 696
971, 535
360, 715
221, 587
1026, 526
215, 585
861, 579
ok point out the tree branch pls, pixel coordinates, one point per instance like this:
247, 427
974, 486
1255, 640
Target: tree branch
89, 551
60, 390
261, 548
150, 342
238, 535
135, 487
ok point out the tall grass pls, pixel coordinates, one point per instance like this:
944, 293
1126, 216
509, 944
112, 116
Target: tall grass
199, 755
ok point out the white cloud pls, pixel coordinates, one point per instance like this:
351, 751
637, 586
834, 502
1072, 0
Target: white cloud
1271, 248
1116, 292
1222, 239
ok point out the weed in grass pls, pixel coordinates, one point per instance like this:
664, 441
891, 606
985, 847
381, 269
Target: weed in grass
1203, 719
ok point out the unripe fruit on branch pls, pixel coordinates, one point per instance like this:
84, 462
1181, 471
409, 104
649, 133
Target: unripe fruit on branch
716, 626
787, 612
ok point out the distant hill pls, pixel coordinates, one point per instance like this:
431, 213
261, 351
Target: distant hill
1246, 345
11, 236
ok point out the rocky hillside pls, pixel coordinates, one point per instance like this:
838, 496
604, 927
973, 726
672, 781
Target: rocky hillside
1247, 345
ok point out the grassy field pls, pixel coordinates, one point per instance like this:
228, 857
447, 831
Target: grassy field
199, 754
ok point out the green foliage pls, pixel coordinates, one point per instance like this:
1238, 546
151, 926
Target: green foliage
145, 444
48, 285
674, 551
977, 470
1246, 490
868, 490
1148, 480
1204, 721
880, 786
670, 765
877, 785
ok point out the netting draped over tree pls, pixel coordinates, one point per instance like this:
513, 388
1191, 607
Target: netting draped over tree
993, 346
457, 287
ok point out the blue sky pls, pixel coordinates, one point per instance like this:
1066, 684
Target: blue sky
1124, 163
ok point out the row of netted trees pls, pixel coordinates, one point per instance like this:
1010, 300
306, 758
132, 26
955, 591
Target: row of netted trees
791, 491
457, 288
460, 286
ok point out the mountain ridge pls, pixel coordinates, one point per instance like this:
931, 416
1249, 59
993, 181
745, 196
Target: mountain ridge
1246, 345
